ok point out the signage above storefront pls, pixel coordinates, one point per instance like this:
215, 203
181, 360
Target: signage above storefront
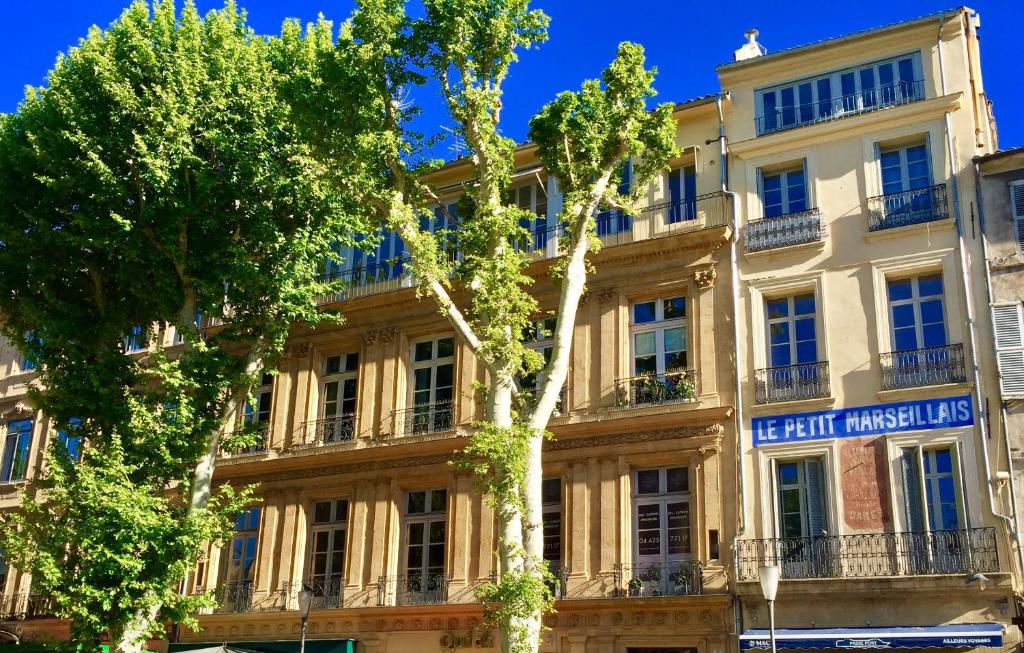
920, 415
950, 636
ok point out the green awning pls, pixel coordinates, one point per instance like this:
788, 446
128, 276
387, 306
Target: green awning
283, 646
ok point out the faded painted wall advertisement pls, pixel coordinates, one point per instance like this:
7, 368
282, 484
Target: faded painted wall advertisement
865, 484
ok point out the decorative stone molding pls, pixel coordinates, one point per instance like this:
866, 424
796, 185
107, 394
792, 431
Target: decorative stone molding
20, 409
607, 295
370, 337
705, 278
297, 350
387, 335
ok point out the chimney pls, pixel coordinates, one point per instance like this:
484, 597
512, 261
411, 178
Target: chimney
751, 48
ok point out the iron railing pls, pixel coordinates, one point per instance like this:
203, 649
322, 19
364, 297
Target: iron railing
260, 446
26, 605
872, 554
783, 231
529, 398
329, 430
871, 99
664, 219
682, 578
915, 368
236, 597
655, 389
791, 383
907, 207
413, 589
328, 593
362, 280
422, 419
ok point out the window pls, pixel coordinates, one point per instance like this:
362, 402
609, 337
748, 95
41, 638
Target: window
932, 508
425, 517
69, 440
179, 336
25, 360
4, 572
800, 514
340, 384
682, 188
918, 319
533, 198
540, 337
905, 168
433, 372
1017, 210
551, 491
136, 340
384, 262
792, 338
240, 563
783, 191
1009, 331
661, 533
17, 445
659, 337
327, 551
258, 411
25, 364
829, 96
615, 221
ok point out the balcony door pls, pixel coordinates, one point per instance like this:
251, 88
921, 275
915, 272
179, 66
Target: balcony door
433, 379
792, 348
615, 221
239, 570
933, 511
661, 535
918, 328
906, 176
340, 383
784, 191
327, 552
425, 536
682, 187
803, 550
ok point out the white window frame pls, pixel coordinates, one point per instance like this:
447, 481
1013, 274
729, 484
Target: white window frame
902, 147
425, 518
338, 378
658, 327
915, 302
791, 319
251, 411
825, 450
969, 486
663, 498
243, 536
783, 170
30, 435
433, 363
801, 486
332, 528
763, 289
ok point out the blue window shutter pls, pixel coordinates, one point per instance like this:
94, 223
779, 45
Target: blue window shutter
690, 188
675, 191
815, 497
912, 503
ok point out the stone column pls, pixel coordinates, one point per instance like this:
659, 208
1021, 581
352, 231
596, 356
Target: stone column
704, 356
609, 346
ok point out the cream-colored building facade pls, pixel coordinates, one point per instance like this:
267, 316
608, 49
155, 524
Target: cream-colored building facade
781, 217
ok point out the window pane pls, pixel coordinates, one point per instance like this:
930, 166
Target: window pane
351, 362
789, 473
436, 532
934, 335
421, 379
445, 375
824, 97
341, 511
332, 365
643, 313
445, 347
644, 343
906, 339
806, 352
781, 356
648, 481
437, 500
551, 490
648, 522
675, 362
803, 304
677, 480
778, 308
930, 285
903, 315
417, 502
322, 512
931, 311
675, 339
806, 106
674, 308
779, 333
424, 351
645, 365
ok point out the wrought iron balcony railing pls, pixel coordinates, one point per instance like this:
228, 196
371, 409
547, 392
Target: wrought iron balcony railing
422, 419
413, 589
362, 280
26, 605
917, 368
260, 446
872, 554
791, 383
871, 99
907, 207
655, 389
683, 578
664, 219
328, 593
236, 597
329, 430
784, 231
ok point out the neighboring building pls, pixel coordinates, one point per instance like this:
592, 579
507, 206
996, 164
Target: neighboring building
866, 461
1001, 187
850, 294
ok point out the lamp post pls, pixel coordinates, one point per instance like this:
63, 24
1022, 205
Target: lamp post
769, 575
305, 603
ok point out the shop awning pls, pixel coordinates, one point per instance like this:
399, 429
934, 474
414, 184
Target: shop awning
283, 646
947, 636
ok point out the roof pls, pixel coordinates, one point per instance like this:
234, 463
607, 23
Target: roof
998, 154
695, 102
836, 39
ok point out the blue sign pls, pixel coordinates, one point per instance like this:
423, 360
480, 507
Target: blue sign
960, 636
920, 415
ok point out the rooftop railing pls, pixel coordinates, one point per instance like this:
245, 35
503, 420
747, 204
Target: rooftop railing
907, 207
916, 368
783, 231
871, 99
872, 554
792, 383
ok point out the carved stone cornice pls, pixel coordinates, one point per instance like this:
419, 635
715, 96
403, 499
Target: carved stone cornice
607, 295
370, 337
388, 334
705, 278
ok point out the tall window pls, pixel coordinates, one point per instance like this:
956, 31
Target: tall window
661, 533
615, 221
905, 168
682, 188
532, 197
69, 440
4, 572
659, 336
800, 506
791, 330
327, 555
821, 98
17, 444
258, 411
932, 508
240, 566
433, 374
540, 337
784, 191
425, 534
136, 340
551, 491
918, 319
385, 262
340, 385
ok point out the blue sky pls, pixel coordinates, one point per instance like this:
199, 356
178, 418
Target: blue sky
685, 39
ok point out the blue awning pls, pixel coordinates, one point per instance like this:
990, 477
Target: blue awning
947, 636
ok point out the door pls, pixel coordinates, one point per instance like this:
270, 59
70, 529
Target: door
804, 548
661, 517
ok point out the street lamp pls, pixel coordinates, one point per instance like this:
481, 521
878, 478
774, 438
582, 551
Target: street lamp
769, 575
305, 603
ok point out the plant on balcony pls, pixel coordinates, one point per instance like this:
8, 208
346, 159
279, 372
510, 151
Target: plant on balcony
359, 106
158, 176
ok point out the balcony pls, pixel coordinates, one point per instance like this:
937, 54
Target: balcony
329, 430
413, 589
791, 383
783, 231
872, 555
423, 419
656, 389
908, 207
369, 279
328, 594
917, 368
634, 580
260, 443
663, 220
868, 100
26, 605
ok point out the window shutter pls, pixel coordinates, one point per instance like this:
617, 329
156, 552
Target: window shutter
815, 498
1017, 206
1008, 322
912, 502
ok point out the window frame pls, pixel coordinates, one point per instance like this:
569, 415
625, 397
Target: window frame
783, 171
762, 289
251, 413
969, 503
902, 148
825, 450
662, 499
331, 528
244, 532
344, 373
8, 469
433, 363
426, 518
791, 318
659, 326
915, 302
802, 486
